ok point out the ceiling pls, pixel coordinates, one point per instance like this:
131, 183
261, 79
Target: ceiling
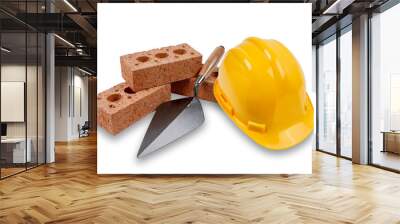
329, 16
75, 22
75, 43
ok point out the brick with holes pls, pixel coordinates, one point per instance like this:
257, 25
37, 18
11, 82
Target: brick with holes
120, 106
185, 87
161, 66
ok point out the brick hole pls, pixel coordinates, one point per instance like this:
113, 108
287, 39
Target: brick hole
114, 97
161, 55
142, 59
98, 98
116, 90
176, 56
191, 53
155, 60
129, 97
180, 51
111, 106
136, 64
128, 90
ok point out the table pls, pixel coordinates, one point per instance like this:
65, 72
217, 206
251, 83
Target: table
13, 150
391, 141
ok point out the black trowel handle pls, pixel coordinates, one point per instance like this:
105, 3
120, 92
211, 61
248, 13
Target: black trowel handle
209, 66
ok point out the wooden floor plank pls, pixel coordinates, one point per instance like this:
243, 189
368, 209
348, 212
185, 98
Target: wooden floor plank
70, 191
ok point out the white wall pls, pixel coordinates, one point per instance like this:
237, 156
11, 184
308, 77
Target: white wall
9, 73
34, 125
70, 83
61, 103
80, 84
12, 73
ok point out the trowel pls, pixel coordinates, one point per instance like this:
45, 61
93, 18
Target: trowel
176, 118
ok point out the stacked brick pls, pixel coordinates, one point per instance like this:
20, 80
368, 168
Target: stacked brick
119, 106
150, 76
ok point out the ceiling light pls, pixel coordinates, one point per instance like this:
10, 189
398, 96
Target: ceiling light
65, 41
80, 51
5, 49
84, 71
70, 5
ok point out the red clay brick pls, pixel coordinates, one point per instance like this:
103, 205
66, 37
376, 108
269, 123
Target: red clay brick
119, 106
161, 66
185, 87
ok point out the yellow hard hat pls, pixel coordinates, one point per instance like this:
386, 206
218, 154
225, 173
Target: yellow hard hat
261, 88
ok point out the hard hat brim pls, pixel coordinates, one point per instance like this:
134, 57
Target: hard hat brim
272, 138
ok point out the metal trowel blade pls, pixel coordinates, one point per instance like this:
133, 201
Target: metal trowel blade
172, 120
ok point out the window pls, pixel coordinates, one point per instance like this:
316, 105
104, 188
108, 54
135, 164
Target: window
327, 96
385, 89
346, 93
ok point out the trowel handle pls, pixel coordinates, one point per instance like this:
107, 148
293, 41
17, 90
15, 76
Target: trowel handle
209, 66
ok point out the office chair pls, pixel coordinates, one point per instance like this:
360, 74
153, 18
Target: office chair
84, 130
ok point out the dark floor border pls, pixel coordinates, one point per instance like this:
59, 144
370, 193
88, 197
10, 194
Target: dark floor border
333, 154
373, 165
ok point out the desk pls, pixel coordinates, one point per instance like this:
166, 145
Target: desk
391, 141
13, 150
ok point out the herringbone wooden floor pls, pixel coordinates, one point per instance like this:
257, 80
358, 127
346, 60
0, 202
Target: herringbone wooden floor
69, 191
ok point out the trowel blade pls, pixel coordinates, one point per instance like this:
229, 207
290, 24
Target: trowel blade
171, 121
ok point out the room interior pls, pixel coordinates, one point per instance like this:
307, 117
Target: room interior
385, 116
29, 94
48, 106
335, 75
22, 102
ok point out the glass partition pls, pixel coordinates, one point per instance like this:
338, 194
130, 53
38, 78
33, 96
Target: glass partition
385, 89
327, 96
23, 89
13, 94
346, 93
